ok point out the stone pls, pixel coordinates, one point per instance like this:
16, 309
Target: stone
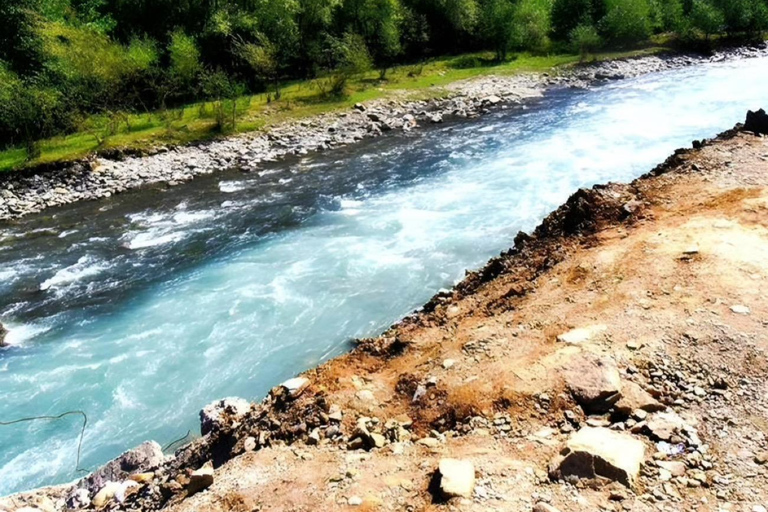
662, 426
355, 501
105, 494
200, 479
3, 334
143, 458
429, 442
215, 415
448, 363
295, 386
740, 309
249, 444
78, 498
580, 335
600, 453
757, 122
544, 507
594, 382
457, 478
633, 398
675, 467
378, 440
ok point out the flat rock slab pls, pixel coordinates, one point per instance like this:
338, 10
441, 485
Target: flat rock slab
600, 453
594, 382
581, 335
457, 478
634, 398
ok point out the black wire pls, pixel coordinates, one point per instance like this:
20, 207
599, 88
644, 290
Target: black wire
68, 413
177, 440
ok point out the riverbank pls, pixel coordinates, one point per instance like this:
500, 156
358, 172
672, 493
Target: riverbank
24, 193
629, 327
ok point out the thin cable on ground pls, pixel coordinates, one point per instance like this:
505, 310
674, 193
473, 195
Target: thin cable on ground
177, 441
60, 416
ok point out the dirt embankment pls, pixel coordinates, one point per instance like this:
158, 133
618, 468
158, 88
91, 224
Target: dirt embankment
614, 359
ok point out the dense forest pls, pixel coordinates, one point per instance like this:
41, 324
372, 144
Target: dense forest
62, 60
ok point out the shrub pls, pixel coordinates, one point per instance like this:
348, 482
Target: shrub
585, 40
626, 21
531, 24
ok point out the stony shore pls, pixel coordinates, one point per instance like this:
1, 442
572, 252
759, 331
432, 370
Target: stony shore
29, 192
614, 359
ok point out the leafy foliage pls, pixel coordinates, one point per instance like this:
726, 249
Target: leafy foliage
64, 60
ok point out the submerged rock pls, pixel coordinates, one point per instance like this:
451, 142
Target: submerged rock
3, 334
600, 453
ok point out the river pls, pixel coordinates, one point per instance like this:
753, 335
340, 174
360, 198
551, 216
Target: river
142, 308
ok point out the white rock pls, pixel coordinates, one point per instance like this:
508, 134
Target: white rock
457, 478
295, 386
740, 309
597, 452
580, 335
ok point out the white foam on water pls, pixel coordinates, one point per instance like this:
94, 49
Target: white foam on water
86, 266
19, 334
229, 187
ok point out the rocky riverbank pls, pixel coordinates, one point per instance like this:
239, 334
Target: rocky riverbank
99, 177
614, 360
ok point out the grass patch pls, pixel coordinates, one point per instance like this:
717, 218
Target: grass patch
299, 99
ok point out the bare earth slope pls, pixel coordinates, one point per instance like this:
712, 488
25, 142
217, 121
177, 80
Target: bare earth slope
631, 324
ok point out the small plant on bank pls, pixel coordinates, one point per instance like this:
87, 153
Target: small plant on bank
585, 40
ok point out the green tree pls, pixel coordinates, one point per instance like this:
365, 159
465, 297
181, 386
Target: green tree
568, 14
497, 26
585, 40
262, 59
626, 21
667, 15
532, 24
706, 18
20, 45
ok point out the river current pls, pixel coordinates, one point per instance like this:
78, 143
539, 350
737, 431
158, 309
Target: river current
142, 308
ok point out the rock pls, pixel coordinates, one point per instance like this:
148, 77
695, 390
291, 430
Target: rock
359, 107
200, 479
662, 426
634, 398
215, 415
429, 442
355, 501
249, 444
448, 363
295, 386
757, 122
600, 453
740, 309
436, 118
378, 440
675, 467
457, 478
3, 334
105, 494
78, 498
143, 458
491, 100
544, 507
580, 335
593, 381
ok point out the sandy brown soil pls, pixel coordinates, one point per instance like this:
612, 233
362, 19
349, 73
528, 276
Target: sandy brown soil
654, 288
667, 277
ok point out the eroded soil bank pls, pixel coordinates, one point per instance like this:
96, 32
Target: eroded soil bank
614, 359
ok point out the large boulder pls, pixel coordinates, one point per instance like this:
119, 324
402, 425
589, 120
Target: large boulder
594, 382
757, 122
600, 453
144, 457
457, 478
217, 414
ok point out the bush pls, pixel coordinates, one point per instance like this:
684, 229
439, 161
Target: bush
626, 21
706, 18
531, 24
585, 40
